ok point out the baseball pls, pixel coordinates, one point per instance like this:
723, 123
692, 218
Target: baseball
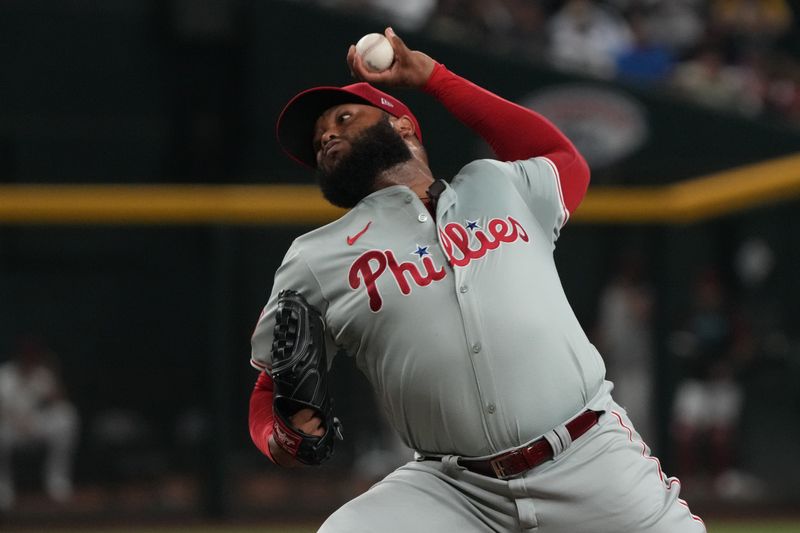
376, 52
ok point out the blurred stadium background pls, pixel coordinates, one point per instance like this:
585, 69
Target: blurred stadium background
144, 207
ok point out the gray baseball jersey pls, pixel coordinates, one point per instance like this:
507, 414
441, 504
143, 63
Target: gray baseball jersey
459, 321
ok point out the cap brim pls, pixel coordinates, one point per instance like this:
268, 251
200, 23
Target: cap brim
295, 128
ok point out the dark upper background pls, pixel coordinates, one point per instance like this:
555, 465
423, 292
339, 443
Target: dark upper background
188, 91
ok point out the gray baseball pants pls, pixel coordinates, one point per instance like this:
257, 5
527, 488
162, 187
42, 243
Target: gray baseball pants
605, 482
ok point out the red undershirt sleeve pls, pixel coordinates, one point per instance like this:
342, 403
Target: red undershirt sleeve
261, 419
514, 132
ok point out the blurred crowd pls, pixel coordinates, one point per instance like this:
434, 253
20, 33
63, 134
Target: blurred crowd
730, 54
717, 343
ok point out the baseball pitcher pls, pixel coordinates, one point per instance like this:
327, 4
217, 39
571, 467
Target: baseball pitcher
446, 295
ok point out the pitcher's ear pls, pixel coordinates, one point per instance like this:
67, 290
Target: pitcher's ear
403, 126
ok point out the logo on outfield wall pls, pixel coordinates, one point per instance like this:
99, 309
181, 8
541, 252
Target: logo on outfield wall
605, 125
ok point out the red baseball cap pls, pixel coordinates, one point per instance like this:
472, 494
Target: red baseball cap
295, 127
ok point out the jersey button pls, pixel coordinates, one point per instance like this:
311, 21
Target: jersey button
491, 408
476, 347
408, 199
422, 217
463, 288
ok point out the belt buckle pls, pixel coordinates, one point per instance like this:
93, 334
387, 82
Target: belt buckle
498, 468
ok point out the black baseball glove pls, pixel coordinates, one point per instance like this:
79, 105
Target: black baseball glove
300, 375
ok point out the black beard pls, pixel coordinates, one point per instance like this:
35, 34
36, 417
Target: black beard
376, 149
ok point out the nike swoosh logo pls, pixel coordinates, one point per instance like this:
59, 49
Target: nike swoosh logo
352, 240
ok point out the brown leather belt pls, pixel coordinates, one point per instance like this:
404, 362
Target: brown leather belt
517, 461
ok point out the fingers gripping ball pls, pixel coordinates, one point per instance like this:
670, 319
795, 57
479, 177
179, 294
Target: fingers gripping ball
300, 375
376, 51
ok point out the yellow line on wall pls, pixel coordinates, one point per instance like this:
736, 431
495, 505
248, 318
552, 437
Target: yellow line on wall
164, 204
681, 203
696, 199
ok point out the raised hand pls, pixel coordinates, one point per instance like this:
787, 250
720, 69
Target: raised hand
411, 68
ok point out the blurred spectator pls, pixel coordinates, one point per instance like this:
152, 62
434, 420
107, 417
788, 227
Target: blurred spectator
782, 88
34, 410
624, 336
754, 264
677, 25
645, 61
587, 37
711, 82
713, 346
